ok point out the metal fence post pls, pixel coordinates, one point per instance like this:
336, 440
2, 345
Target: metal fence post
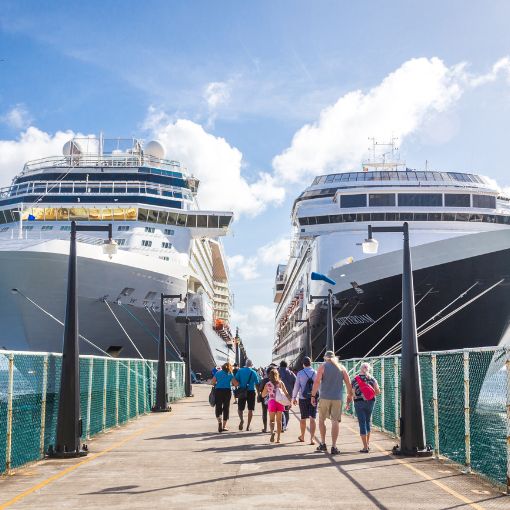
507, 363
467, 425
128, 394
152, 383
89, 396
381, 386
397, 396
144, 380
435, 404
117, 393
105, 382
43, 406
136, 387
8, 437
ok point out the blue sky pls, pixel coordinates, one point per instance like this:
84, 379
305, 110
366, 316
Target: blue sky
229, 86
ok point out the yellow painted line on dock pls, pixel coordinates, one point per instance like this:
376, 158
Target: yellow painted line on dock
410, 466
70, 469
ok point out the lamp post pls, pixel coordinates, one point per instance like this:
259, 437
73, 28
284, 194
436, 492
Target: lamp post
161, 393
308, 351
237, 340
69, 424
188, 390
330, 339
412, 430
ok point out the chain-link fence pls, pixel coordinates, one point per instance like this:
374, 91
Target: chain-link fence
466, 405
112, 391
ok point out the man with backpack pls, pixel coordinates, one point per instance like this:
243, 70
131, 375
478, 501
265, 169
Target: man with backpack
245, 392
303, 388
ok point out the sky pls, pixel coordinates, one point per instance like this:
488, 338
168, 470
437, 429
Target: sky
255, 98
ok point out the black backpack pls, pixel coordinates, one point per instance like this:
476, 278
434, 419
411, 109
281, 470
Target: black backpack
307, 393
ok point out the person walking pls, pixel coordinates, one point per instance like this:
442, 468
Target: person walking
331, 377
366, 388
222, 381
246, 379
303, 388
289, 379
276, 392
263, 400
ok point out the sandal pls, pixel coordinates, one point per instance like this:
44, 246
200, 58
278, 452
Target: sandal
301, 439
364, 450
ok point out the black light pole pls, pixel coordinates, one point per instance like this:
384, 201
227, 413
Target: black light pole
69, 424
330, 339
308, 351
188, 390
161, 393
187, 349
237, 340
412, 430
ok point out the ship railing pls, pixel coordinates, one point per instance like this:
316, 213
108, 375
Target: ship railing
113, 392
466, 405
80, 188
100, 161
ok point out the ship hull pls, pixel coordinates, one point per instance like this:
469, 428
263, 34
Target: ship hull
127, 324
482, 322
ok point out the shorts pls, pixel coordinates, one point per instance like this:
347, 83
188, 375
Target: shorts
250, 399
331, 409
275, 407
306, 408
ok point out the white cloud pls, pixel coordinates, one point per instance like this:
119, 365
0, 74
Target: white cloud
218, 166
245, 267
275, 252
501, 67
31, 144
216, 93
18, 117
271, 254
398, 105
405, 101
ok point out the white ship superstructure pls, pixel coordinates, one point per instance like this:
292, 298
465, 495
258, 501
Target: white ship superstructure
460, 237
166, 244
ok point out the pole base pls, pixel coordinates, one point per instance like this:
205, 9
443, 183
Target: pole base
161, 409
426, 452
58, 454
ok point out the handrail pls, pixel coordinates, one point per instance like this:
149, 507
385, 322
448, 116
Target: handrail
95, 160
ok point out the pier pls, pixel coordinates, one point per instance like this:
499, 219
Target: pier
177, 460
139, 459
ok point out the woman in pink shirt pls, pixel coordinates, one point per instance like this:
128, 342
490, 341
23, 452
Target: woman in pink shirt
276, 392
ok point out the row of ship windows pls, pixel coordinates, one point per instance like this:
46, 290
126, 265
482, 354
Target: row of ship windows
418, 200
121, 228
407, 216
407, 175
118, 214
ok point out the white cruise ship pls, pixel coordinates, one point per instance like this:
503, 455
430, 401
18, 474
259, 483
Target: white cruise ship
460, 242
166, 244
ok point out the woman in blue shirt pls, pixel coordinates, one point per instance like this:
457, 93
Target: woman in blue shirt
222, 381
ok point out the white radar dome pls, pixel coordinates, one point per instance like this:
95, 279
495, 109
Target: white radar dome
72, 148
155, 149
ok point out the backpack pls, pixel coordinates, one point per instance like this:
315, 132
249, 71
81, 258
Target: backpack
307, 393
367, 391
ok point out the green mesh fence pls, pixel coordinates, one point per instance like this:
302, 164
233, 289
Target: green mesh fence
112, 391
466, 392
